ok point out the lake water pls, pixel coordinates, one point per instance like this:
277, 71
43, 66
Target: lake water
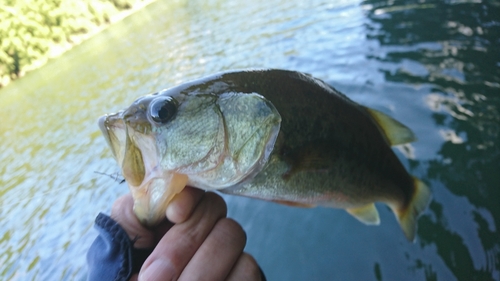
433, 65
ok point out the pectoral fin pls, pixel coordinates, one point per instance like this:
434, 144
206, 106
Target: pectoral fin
367, 214
395, 132
315, 156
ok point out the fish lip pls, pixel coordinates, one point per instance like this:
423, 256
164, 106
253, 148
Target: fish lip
103, 125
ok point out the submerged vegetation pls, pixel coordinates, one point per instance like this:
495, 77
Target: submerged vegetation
32, 31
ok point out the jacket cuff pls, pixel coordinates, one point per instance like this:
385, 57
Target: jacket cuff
112, 255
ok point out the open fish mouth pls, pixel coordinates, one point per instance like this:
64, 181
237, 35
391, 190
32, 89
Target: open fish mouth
152, 188
125, 150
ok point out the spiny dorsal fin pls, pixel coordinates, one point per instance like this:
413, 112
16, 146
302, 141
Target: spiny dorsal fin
367, 214
395, 132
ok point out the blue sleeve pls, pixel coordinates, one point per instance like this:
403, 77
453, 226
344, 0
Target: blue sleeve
112, 255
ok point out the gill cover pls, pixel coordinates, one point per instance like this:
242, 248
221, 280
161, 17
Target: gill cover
218, 141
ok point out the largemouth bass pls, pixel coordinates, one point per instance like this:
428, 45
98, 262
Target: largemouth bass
277, 135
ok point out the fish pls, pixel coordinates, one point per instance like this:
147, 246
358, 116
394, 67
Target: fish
271, 134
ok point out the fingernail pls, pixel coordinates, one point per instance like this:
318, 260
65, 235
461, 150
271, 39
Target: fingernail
156, 271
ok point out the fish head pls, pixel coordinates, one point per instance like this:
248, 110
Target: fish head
167, 140
130, 133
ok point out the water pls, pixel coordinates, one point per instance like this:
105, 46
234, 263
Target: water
435, 66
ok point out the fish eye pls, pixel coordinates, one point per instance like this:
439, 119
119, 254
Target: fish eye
163, 109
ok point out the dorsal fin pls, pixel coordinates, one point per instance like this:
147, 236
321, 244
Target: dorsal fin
395, 132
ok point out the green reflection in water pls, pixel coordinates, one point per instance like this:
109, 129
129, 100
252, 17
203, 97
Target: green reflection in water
47, 131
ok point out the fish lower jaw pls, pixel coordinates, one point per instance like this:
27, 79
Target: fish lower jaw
153, 196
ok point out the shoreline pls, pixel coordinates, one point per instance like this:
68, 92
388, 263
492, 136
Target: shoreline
57, 49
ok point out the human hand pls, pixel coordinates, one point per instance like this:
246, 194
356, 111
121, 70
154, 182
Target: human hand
202, 244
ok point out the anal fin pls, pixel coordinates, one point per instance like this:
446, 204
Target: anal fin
367, 214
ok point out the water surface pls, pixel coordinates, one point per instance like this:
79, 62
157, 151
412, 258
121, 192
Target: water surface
435, 66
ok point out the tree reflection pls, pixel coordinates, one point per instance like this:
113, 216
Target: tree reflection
454, 49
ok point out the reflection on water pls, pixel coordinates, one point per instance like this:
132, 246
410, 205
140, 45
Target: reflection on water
453, 51
433, 65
